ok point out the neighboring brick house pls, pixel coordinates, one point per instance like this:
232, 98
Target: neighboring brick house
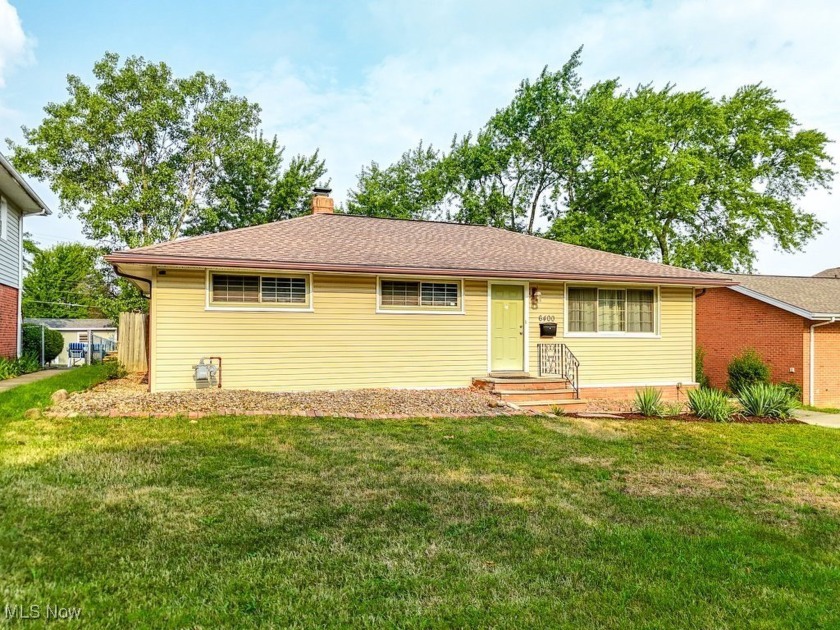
17, 200
792, 322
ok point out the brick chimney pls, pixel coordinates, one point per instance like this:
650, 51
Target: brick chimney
322, 203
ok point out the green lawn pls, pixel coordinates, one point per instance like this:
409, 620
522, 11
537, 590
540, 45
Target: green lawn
507, 522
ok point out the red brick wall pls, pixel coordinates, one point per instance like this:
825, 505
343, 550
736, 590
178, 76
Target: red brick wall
827, 366
8, 321
728, 323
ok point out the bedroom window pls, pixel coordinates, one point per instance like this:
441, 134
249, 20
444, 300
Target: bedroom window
593, 310
419, 295
259, 291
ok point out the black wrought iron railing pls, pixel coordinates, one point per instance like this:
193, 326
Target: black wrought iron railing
557, 360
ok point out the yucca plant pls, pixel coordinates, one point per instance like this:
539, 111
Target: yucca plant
649, 402
767, 401
711, 404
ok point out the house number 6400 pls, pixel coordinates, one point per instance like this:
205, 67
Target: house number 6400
546, 318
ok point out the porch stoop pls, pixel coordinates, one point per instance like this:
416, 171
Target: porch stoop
534, 394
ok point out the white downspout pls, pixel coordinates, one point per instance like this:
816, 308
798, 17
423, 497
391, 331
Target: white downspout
811, 388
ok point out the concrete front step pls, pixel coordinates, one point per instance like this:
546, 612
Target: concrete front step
519, 396
520, 384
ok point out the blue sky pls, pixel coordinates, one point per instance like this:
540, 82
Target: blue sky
364, 81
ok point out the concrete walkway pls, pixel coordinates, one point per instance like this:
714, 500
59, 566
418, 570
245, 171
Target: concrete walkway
11, 383
831, 420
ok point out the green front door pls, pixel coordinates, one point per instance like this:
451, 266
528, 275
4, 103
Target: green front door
507, 328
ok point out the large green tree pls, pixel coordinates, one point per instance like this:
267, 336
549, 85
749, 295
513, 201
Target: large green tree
143, 156
64, 281
72, 280
254, 187
410, 188
695, 181
680, 177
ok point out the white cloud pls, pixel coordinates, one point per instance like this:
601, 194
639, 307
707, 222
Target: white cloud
15, 45
431, 92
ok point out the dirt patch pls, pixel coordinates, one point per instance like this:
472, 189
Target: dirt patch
128, 397
658, 483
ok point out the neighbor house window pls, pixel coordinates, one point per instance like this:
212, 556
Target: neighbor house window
254, 290
611, 310
419, 295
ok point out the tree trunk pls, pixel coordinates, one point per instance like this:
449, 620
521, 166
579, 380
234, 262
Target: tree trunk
664, 250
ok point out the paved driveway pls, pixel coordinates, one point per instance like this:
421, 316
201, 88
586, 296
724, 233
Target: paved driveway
818, 418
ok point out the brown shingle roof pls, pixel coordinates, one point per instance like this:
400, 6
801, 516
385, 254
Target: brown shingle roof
815, 295
334, 242
834, 272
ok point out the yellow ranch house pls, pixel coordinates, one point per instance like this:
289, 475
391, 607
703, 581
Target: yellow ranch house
331, 301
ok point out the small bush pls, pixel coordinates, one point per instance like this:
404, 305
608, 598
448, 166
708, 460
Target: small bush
699, 371
711, 404
794, 389
649, 402
53, 342
674, 409
747, 369
767, 401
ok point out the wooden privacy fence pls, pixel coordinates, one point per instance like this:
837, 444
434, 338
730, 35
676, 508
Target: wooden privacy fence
132, 342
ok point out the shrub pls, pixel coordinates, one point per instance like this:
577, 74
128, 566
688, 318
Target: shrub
699, 371
794, 389
53, 342
9, 368
767, 401
711, 404
649, 402
747, 369
674, 409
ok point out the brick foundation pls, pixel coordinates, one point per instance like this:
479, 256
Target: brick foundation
621, 398
8, 321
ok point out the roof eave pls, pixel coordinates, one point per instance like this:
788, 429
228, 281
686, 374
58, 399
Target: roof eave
785, 306
42, 208
185, 261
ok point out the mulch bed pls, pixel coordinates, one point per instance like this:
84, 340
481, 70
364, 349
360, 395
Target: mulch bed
692, 418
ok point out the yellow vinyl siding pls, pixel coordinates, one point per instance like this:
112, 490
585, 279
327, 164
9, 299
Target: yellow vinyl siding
665, 358
343, 344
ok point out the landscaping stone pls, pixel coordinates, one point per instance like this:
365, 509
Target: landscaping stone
32, 414
128, 397
60, 395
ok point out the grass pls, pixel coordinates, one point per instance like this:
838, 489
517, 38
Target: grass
820, 409
14, 402
505, 522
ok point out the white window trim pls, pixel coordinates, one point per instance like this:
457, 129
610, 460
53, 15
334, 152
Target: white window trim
428, 310
657, 312
526, 323
209, 305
